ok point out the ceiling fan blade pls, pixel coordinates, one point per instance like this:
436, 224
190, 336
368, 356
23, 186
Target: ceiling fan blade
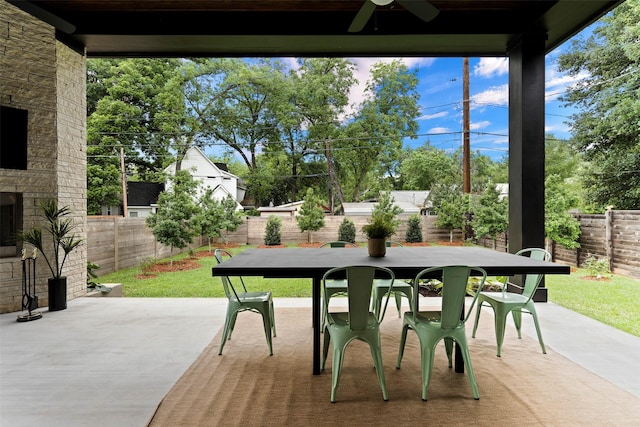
421, 8
363, 16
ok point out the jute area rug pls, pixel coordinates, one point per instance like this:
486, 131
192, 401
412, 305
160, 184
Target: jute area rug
245, 386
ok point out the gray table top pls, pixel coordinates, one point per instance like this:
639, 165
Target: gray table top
405, 262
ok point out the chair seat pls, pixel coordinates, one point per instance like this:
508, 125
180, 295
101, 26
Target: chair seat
423, 316
381, 288
342, 319
337, 284
506, 297
252, 297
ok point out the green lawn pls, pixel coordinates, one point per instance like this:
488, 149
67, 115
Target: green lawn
198, 282
614, 301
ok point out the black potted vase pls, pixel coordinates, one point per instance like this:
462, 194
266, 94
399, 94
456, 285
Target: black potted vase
57, 293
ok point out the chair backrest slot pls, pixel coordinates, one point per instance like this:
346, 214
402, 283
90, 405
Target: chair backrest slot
360, 279
229, 289
532, 281
455, 279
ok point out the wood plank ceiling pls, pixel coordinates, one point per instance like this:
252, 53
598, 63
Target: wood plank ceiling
308, 27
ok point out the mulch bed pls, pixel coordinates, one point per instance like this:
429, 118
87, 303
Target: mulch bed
447, 243
191, 264
168, 267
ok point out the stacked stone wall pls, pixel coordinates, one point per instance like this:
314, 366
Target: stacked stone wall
46, 78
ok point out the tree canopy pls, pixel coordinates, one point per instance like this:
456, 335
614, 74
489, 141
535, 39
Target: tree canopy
605, 128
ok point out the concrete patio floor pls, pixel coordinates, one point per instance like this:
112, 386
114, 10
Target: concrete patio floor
110, 361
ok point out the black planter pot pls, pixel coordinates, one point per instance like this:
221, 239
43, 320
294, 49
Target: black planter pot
57, 294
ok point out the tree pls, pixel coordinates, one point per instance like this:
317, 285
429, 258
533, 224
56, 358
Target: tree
491, 215
231, 216
272, 231
370, 145
311, 215
559, 225
425, 166
217, 216
452, 210
347, 231
605, 128
211, 214
176, 221
313, 100
414, 229
124, 101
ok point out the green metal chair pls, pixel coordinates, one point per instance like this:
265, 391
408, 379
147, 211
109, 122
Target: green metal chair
400, 289
336, 287
257, 302
505, 302
434, 326
358, 322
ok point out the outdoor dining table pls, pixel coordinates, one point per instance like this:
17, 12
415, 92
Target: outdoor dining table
405, 262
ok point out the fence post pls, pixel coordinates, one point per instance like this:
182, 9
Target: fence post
608, 235
116, 239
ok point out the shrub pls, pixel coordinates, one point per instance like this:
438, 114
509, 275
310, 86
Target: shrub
414, 230
272, 231
347, 231
596, 267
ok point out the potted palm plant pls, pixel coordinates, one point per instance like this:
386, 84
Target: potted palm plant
60, 230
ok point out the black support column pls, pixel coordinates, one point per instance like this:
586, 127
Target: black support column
526, 145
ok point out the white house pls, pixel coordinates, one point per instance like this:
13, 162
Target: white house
210, 175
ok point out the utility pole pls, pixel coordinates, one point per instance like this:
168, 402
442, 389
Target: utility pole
466, 149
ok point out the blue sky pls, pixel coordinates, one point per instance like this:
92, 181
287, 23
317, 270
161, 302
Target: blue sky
440, 88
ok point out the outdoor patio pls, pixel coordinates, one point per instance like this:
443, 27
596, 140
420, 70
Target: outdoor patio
110, 361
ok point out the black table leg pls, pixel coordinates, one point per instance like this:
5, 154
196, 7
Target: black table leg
315, 296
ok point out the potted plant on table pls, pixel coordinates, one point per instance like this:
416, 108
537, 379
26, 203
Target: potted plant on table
60, 230
381, 225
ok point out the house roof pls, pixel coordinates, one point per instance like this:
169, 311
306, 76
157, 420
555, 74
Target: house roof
195, 154
365, 208
416, 198
112, 28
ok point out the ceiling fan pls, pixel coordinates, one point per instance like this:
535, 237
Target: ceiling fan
420, 8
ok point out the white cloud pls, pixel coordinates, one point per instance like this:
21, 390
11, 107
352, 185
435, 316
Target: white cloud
434, 116
491, 67
438, 130
497, 95
557, 84
479, 125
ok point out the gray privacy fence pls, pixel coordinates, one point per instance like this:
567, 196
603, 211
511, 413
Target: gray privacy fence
115, 242
614, 236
